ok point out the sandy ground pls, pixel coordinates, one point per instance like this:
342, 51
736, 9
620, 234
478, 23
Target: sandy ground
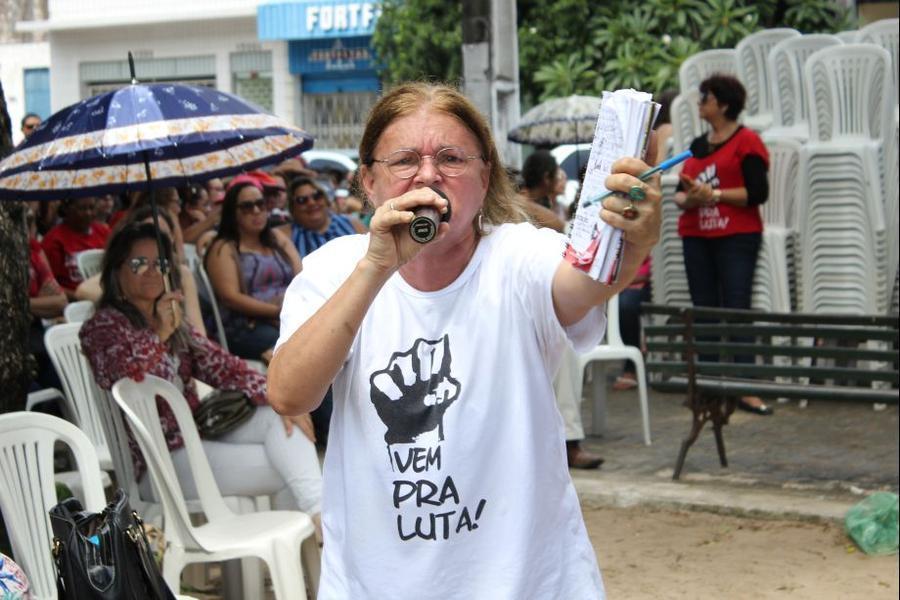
666, 554
649, 553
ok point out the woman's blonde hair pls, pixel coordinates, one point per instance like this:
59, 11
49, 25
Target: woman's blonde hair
500, 203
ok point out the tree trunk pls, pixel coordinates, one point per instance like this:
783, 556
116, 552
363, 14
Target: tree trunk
16, 364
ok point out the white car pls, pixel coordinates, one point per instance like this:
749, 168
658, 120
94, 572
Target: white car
572, 159
341, 160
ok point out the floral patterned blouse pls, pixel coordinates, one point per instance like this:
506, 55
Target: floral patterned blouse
117, 349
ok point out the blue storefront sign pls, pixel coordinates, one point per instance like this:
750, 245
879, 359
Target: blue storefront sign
329, 42
331, 56
315, 19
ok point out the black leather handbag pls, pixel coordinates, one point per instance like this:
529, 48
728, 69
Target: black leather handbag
104, 556
222, 411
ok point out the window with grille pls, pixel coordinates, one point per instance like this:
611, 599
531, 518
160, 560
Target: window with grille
337, 120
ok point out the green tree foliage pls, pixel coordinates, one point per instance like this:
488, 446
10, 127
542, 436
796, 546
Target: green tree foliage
642, 46
565, 77
419, 39
586, 46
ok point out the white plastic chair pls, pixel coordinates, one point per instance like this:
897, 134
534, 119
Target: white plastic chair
751, 55
275, 537
790, 109
686, 121
668, 277
615, 349
78, 312
701, 65
884, 33
847, 37
81, 392
848, 89
89, 262
784, 158
241, 581
28, 492
206, 292
190, 255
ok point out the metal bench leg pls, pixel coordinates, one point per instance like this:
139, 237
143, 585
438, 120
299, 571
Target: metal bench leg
720, 442
700, 418
721, 409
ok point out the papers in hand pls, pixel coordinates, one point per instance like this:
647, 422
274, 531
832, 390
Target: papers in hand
623, 129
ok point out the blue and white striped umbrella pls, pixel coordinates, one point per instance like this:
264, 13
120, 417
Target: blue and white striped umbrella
174, 133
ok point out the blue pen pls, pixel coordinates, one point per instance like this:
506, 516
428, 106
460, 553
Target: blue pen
663, 166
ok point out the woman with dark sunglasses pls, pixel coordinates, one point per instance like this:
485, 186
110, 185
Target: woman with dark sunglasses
250, 265
139, 329
314, 221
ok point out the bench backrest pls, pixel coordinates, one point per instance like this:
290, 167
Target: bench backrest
793, 355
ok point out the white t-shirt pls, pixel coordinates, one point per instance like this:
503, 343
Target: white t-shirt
446, 473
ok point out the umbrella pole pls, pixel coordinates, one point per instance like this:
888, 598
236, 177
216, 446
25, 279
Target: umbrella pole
165, 267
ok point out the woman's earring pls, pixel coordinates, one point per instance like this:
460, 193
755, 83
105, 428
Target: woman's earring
480, 222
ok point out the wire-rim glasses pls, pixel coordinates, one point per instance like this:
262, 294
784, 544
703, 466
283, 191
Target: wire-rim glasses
450, 162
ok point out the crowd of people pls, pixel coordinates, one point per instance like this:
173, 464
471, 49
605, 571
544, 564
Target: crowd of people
348, 322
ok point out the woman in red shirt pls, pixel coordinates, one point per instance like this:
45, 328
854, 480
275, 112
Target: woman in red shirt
721, 189
77, 232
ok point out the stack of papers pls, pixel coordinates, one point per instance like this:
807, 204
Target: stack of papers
623, 129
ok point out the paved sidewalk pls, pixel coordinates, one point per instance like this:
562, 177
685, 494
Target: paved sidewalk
802, 463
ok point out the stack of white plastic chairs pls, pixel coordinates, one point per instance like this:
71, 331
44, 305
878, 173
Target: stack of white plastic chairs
842, 187
668, 279
774, 284
701, 65
885, 33
752, 60
790, 116
892, 214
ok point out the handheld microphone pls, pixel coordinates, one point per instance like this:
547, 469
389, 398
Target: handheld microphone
424, 225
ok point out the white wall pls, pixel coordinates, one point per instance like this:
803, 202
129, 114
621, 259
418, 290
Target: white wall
65, 13
219, 37
14, 59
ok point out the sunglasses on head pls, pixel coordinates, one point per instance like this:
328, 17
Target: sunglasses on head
252, 206
141, 264
308, 197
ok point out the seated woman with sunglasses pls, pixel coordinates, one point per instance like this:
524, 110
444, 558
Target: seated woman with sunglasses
314, 221
250, 265
138, 329
90, 289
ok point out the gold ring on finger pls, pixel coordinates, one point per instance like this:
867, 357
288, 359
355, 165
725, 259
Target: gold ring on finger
630, 212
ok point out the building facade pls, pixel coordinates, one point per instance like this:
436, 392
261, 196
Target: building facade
309, 62
331, 63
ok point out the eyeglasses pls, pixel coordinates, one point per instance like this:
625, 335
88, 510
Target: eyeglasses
141, 264
304, 199
252, 207
30, 126
450, 162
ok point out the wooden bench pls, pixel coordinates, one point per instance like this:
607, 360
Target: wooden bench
799, 356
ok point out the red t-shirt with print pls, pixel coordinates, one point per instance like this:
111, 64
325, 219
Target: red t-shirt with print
62, 244
40, 278
721, 168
